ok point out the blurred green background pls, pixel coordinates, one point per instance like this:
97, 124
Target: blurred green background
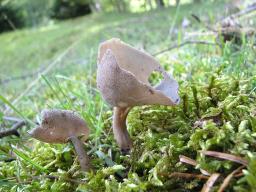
30, 13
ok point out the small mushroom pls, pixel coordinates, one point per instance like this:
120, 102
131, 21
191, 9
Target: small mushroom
60, 126
122, 78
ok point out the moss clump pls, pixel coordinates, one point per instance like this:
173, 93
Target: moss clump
218, 116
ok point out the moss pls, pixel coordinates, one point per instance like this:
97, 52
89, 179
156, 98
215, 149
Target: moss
160, 135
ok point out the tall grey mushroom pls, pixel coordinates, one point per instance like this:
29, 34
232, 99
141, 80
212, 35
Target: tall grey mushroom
122, 78
60, 126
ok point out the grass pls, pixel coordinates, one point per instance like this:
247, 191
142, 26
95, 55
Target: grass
28, 51
212, 80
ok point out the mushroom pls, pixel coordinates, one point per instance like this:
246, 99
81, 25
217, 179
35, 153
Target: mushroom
60, 126
122, 78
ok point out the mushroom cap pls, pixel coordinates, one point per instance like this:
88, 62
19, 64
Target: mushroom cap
58, 126
122, 77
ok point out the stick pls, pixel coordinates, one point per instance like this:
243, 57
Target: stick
210, 182
245, 11
228, 179
13, 130
187, 160
9, 21
203, 23
226, 156
15, 119
183, 44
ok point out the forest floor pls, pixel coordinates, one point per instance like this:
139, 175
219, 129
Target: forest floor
55, 67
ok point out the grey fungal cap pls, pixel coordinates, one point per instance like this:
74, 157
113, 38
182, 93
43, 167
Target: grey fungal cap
122, 77
58, 126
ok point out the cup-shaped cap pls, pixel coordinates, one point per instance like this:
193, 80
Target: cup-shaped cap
58, 126
122, 77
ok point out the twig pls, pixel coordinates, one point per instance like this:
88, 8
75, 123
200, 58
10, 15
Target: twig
245, 11
226, 156
203, 23
187, 160
239, 174
9, 21
228, 179
210, 182
13, 130
15, 119
183, 44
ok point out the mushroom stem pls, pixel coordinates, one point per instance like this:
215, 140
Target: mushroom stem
120, 130
82, 155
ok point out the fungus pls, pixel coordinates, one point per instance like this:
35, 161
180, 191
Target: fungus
61, 126
122, 78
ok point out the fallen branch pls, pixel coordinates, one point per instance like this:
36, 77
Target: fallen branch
12, 130
183, 44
